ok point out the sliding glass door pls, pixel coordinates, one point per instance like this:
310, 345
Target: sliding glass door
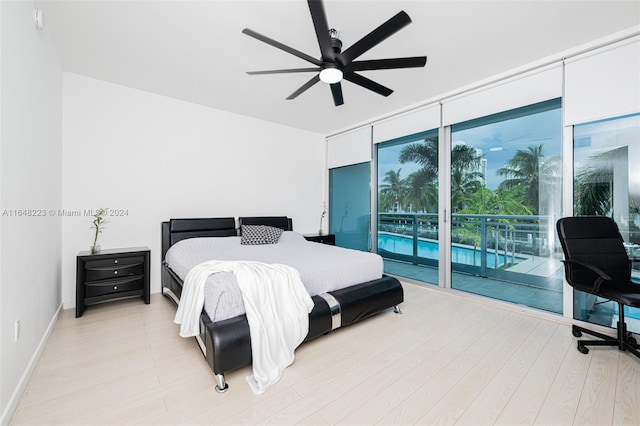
505, 198
407, 175
606, 182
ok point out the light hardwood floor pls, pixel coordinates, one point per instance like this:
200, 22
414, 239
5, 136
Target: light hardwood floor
445, 360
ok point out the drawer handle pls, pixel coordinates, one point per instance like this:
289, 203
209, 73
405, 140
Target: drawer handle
115, 272
115, 261
115, 287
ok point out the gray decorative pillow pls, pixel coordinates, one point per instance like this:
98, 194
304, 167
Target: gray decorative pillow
272, 234
252, 235
259, 234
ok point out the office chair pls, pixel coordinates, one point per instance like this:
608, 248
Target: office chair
596, 262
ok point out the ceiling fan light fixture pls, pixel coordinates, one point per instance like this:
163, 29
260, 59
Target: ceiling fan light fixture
330, 74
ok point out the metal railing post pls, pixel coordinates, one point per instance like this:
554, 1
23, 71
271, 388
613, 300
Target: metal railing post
483, 246
415, 239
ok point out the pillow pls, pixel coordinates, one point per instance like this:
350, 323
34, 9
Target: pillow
259, 234
252, 235
272, 234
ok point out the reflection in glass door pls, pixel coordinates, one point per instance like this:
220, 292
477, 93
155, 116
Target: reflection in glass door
607, 182
350, 206
505, 198
408, 206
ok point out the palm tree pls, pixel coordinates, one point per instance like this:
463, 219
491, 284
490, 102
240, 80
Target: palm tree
594, 183
593, 192
422, 185
465, 157
500, 202
466, 177
421, 195
425, 154
391, 189
529, 171
386, 202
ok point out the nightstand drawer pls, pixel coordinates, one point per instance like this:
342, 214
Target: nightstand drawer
114, 261
104, 269
113, 286
329, 239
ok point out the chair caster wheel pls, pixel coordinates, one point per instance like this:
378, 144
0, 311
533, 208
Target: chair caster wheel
576, 332
633, 340
583, 349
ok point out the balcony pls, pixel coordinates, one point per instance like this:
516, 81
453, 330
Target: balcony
506, 257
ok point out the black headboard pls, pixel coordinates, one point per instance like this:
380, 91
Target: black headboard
282, 222
179, 229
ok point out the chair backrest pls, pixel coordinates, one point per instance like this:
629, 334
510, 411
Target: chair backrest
595, 240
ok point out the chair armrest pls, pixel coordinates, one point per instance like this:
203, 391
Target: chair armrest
602, 276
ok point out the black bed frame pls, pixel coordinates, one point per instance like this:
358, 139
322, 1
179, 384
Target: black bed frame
226, 344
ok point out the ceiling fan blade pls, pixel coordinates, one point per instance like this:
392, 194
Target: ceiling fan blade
283, 71
321, 26
384, 31
314, 80
386, 64
336, 91
281, 46
367, 84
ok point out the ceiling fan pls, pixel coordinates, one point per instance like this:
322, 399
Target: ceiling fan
334, 64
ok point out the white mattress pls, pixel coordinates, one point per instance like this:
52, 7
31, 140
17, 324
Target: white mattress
322, 267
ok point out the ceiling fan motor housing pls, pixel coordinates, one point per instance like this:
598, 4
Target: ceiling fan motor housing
335, 41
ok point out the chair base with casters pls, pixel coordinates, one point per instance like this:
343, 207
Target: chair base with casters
596, 262
624, 340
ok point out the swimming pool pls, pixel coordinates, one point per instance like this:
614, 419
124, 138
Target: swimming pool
428, 249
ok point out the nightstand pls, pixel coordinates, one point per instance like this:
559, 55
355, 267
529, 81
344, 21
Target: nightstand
111, 274
329, 239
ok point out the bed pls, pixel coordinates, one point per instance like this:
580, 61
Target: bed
224, 336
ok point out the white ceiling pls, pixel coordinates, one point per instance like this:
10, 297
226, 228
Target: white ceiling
195, 51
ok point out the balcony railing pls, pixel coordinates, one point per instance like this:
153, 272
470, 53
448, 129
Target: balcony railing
482, 245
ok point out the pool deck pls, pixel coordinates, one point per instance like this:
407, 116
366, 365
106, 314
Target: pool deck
539, 266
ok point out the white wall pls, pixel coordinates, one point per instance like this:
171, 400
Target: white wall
159, 158
30, 178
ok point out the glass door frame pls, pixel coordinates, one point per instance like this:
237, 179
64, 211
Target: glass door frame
373, 208
567, 207
444, 217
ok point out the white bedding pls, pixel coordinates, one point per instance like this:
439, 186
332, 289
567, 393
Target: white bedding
322, 267
277, 306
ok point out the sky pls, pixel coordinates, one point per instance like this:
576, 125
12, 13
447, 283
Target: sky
498, 142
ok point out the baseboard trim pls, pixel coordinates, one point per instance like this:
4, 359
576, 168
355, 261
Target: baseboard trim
12, 406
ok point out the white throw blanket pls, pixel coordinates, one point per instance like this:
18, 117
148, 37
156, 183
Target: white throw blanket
277, 307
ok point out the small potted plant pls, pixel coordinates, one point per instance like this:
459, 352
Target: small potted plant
98, 225
324, 213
